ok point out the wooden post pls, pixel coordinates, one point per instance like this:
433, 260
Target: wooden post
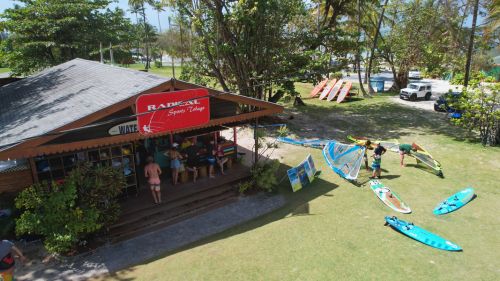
256, 145
234, 135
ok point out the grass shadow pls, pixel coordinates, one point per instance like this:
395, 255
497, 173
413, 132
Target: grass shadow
377, 117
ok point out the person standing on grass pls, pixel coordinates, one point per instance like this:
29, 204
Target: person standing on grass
377, 160
7, 261
367, 146
152, 171
405, 149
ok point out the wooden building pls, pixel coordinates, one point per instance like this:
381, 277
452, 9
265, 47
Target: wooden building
83, 111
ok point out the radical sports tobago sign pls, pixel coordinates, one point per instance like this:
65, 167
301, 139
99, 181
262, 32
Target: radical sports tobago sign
168, 111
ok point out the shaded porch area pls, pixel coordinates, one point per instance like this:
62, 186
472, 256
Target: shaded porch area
140, 214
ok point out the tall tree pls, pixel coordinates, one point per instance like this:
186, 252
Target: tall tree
159, 7
233, 45
46, 33
471, 43
142, 4
374, 46
358, 51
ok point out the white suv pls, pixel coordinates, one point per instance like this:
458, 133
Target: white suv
415, 91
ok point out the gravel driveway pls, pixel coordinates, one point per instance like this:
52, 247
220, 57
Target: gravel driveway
439, 87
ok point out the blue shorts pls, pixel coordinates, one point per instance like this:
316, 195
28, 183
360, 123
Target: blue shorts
375, 166
211, 160
175, 164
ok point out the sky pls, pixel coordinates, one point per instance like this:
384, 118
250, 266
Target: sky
151, 15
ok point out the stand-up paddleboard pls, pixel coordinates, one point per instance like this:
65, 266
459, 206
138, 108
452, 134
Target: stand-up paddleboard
422, 235
389, 197
327, 89
343, 93
318, 88
335, 90
455, 202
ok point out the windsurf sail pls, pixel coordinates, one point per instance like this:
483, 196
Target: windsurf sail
344, 159
315, 143
424, 157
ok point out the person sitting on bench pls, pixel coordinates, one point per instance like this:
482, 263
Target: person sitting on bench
192, 160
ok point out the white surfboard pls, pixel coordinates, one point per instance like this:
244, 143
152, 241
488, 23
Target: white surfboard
335, 90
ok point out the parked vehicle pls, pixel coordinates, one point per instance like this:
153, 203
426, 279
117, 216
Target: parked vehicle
416, 91
442, 104
414, 74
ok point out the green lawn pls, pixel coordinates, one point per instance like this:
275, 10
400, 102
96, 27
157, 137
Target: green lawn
164, 71
334, 230
4, 69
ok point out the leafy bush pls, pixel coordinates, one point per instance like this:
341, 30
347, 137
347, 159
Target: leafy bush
158, 64
245, 186
337, 75
64, 214
480, 112
475, 78
264, 175
490, 79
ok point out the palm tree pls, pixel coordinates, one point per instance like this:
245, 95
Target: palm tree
142, 11
374, 46
135, 9
159, 7
358, 52
471, 43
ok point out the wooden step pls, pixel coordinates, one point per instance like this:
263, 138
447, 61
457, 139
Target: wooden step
162, 219
153, 209
185, 192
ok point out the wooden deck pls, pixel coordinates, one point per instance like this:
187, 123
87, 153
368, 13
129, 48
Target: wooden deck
140, 214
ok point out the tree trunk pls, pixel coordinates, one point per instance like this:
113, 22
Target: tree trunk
358, 53
471, 44
146, 36
374, 46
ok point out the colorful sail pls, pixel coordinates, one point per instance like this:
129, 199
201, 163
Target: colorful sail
424, 157
315, 143
344, 159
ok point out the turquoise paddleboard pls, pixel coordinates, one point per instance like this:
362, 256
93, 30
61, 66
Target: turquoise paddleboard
455, 202
421, 234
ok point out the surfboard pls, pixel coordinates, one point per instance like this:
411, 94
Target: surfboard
327, 89
335, 90
389, 197
318, 88
343, 93
455, 202
422, 235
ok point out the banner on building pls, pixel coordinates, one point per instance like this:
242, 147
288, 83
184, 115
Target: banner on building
169, 111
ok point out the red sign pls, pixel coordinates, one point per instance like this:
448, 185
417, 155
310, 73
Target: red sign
168, 111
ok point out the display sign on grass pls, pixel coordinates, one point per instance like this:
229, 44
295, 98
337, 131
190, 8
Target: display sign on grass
302, 174
168, 111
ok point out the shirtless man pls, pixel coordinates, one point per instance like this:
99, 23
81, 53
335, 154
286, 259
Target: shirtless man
152, 171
